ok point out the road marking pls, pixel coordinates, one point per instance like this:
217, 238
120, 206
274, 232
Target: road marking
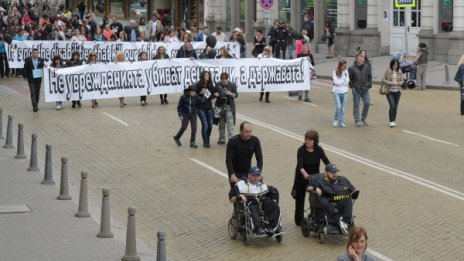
415, 179
220, 173
307, 103
116, 119
430, 138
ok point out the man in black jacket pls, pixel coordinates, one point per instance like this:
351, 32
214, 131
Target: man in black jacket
240, 150
360, 83
33, 73
281, 40
187, 51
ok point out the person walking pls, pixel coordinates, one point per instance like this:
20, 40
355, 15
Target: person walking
33, 73
240, 151
393, 78
267, 53
119, 58
75, 61
205, 92
259, 42
460, 78
306, 52
225, 107
143, 56
330, 36
92, 59
187, 111
421, 63
57, 63
360, 83
340, 80
363, 53
161, 54
309, 157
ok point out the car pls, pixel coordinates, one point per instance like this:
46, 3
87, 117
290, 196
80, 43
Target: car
138, 10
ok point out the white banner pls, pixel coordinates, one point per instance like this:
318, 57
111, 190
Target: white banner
18, 51
101, 81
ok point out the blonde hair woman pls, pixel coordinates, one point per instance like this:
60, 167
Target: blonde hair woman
267, 53
118, 58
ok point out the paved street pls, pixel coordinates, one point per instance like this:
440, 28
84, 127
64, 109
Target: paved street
411, 177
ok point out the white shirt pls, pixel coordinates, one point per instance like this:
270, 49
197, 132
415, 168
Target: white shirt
340, 84
220, 37
252, 189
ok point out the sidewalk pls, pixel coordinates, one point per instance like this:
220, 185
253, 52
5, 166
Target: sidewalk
49, 231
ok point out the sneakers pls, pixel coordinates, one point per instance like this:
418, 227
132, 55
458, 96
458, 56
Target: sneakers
392, 124
143, 103
193, 145
221, 142
335, 124
343, 125
358, 124
58, 107
365, 122
177, 140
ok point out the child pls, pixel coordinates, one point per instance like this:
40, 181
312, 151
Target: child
187, 110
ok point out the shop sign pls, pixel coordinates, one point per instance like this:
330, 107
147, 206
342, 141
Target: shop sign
405, 3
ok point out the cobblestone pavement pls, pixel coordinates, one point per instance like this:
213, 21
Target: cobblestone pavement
144, 169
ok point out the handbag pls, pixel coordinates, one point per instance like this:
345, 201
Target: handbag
384, 89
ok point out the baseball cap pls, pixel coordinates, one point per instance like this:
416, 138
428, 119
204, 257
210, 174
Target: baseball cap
255, 171
331, 168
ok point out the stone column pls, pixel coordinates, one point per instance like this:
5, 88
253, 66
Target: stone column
235, 13
296, 19
344, 15
319, 22
372, 14
343, 28
250, 18
458, 16
427, 17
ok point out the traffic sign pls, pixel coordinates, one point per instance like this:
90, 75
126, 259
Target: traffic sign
266, 4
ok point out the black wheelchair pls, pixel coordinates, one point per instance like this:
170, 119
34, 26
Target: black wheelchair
241, 222
316, 221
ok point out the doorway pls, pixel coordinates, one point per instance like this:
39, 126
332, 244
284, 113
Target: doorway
404, 27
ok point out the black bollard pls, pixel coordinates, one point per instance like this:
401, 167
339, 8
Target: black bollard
20, 150
64, 192
131, 243
9, 134
48, 174
83, 209
33, 162
1, 125
161, 248
105, 228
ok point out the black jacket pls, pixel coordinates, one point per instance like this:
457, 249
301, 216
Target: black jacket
223, 99
29, 67
182, 53
187, 104
203, 102
341, 187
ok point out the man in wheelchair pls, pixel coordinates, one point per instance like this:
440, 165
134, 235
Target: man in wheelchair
335, 198
260, 199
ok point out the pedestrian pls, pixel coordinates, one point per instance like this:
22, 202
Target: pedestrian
57, 63
240, 151
119, 58
306, 52
421, 63
460, 78
267, 53
92, 59
259, 42
360, 83
356, 246
81, 8
292, 37
143, 56
329, 36
187, 111
237, 37
205, 91
161, 54
309, 157
363, 53
187, 51
220, 36
4, 67
281, 40
340, 80
75, 61
154, 28
308, 25
33, 73
272, 34
225, 107
393, 77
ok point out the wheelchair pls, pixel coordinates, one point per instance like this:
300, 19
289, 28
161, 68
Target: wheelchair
241, 223
316, 221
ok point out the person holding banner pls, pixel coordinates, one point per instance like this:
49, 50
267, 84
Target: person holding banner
33, 73
161, 54
267, 53
75, 61
119, 58
186, 51
92, 59
143, 56
57, 63
205, 92
187, 110
225, 107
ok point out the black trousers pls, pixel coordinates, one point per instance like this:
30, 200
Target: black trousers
300, 196
192, 118
4, 68
345, 207
280, 47
261, 96
462, 99
270, 209
34, 88
393, 99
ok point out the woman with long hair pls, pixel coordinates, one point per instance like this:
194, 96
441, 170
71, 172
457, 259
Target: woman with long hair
356, 246
340, 80
267, 53
259, 43
161, 54
57, 62
205, 89
75, 61
92, 59
143, 56
393, 77
119, 58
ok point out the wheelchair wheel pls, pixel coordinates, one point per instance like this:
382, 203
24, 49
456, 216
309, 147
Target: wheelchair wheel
305, 227
233, 230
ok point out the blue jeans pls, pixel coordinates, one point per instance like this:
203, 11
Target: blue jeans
393, 99
366, 98
340, 102
206, 119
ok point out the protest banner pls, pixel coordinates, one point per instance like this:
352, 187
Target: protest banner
18, 51
101, 81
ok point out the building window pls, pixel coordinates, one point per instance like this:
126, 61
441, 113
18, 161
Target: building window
330, 9
446, 15
360, 14
398, 16
284, 10
307, 8
416, 14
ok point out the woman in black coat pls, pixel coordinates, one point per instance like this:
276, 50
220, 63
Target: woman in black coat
205, 92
